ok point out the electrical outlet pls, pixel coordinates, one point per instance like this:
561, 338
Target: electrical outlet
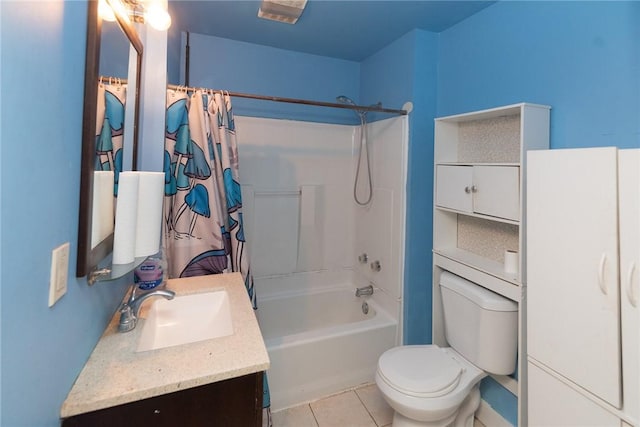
59, 273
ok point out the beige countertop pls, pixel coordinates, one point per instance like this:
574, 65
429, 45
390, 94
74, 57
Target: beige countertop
115, 374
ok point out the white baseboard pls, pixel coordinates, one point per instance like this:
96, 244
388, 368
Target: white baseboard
489, 417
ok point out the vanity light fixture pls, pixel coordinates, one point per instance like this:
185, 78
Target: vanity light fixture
153, 12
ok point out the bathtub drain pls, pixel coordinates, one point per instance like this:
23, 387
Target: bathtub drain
365, 307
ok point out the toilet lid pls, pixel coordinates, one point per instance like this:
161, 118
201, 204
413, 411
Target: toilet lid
422, 371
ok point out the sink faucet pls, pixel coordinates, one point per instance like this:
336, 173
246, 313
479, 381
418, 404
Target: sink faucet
129, 310
365, 290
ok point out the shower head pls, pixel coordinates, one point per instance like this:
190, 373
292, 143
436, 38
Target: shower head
345, 100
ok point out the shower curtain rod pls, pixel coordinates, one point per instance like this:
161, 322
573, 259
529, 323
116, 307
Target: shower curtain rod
279, 99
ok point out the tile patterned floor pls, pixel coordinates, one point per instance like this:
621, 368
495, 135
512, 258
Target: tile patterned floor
362, 407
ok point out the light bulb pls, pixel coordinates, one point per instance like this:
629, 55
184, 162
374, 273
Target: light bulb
105, 12
157, 17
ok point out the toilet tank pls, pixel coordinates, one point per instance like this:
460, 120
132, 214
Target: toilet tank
479, 324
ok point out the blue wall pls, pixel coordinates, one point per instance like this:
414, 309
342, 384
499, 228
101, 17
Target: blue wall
581, 58
43, 349
406, 71
219, 63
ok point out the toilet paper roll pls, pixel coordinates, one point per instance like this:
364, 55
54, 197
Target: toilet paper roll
511, 262
102, 213
150, 197
124, 237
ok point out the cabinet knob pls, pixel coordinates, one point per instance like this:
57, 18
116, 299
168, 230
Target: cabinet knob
474, 189
467, 189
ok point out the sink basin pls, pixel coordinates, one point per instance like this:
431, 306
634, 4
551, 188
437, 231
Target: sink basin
186, 319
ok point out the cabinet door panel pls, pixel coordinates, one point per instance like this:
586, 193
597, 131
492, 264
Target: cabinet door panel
629, 206
235, 402
572, 267
453, 187
554, 404
497, 191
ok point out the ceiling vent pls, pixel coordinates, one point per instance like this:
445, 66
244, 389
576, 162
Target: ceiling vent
287, 11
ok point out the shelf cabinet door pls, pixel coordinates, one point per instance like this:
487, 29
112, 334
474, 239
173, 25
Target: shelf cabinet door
629, 206
487, 190
572, 267
554, 404
453, 187
496, 191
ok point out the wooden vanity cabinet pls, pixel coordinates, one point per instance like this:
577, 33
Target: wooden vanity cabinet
228, 403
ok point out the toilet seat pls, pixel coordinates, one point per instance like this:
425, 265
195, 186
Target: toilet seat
420, 371
425, 383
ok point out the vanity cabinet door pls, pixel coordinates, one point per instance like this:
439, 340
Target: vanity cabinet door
236, 402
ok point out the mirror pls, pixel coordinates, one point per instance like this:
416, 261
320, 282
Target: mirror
90, 253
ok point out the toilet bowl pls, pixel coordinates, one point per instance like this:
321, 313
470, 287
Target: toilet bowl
427, 385
433, 386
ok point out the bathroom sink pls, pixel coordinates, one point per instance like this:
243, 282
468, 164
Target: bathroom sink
186, 319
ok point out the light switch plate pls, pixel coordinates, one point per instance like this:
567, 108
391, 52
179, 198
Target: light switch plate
59, 273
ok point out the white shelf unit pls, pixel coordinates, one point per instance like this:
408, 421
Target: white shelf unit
480, 205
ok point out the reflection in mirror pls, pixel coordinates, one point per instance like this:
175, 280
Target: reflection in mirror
109, 135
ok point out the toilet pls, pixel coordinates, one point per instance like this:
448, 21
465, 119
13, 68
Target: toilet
432, 386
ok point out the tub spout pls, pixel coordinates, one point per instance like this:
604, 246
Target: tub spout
365, 290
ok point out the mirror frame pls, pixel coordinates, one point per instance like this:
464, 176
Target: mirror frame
88, 257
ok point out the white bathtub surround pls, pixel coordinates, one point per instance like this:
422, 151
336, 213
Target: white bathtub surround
320, 342
305, 233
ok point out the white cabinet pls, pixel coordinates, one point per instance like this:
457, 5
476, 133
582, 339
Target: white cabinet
479, 206
479, 180
552, 403
572, 262
481, 189
583, 235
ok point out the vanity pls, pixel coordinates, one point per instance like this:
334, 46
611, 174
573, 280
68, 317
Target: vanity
216, 381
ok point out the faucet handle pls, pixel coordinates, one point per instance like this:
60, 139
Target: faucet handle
127, 318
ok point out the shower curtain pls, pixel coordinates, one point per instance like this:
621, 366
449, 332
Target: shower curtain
203, 224
110, 129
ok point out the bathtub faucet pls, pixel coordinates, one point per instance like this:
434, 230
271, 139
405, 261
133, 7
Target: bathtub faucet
365, 290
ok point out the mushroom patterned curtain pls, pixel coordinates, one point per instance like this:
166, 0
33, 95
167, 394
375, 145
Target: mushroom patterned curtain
110, 129
203, 225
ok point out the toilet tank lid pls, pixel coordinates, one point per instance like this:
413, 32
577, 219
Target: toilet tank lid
480, 296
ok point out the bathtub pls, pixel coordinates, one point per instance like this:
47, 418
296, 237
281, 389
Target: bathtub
320, 342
